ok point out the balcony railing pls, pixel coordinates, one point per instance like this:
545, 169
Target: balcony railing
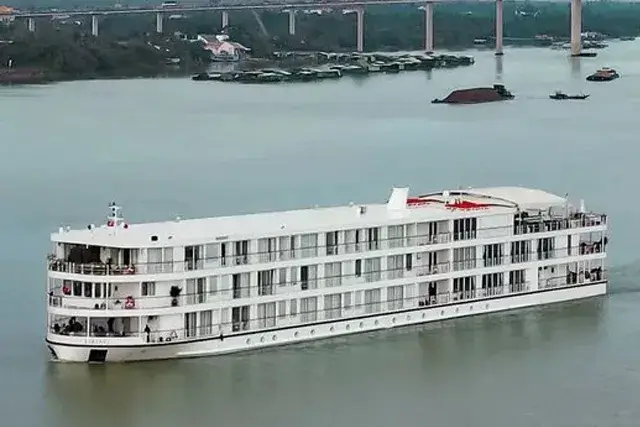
341, 313
526, 226
532, 225
94, 269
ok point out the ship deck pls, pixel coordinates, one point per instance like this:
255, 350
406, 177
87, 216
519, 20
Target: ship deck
499, 200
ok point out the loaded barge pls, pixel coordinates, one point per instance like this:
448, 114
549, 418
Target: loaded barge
476, 95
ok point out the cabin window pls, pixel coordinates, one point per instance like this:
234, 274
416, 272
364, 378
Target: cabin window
346, 300
267, 315
464, 287
408, 262
492, 255
395, 297
395, 236
293, 307
517, 281
373, 239
148, 289
240, 285
395, 269
372, 271
193, 257
309, 245
240, 318
463, 258
282, 309
265, 282
332, 243
77, 289
242, 252
267, 249
358, 267
492, 283
308, 309
333, 274
520, 251
546, 248
190, 325
333, 306
465, 228
206, 323
372, 298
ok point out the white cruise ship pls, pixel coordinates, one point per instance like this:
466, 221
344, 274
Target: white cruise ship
185, 288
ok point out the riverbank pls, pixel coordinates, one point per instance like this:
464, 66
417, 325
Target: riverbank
127, 47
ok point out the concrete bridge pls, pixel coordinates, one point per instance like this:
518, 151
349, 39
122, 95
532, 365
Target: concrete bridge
347, 6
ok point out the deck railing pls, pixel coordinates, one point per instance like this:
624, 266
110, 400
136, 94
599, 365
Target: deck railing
352, 312
128, 296
525, 226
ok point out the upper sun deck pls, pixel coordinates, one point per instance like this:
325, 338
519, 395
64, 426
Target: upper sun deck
400, 208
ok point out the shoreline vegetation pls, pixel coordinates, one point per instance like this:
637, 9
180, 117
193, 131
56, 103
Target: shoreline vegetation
128, 47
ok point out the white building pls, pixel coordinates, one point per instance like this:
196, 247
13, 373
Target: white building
186, 288
222, 49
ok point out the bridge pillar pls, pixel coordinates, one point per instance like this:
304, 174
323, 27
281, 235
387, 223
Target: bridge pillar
499, 27
576, 27
360, 29
292, 22
225, 19
94, 25
31, 24
428, 27
159, 22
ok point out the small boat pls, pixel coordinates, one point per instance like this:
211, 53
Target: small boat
604, 74
562, 96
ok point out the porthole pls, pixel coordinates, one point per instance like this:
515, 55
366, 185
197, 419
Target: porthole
393, 320
470, 308
457, 309
348, 327
361, 324
296, 334
442, 313
424, 315
331, 329
313, 332
376, 323
261, 339
408, 318
248, 341
486, 306
274, 338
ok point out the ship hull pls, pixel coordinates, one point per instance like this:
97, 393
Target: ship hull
251, 340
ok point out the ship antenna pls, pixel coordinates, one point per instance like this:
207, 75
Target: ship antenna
114, 219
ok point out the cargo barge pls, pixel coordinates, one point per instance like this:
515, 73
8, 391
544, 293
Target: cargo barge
476, 95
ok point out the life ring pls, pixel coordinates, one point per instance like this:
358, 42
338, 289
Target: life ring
129, 303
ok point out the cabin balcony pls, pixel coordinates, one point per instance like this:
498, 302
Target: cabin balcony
76, 295
542, 222
93, 260
95, 330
